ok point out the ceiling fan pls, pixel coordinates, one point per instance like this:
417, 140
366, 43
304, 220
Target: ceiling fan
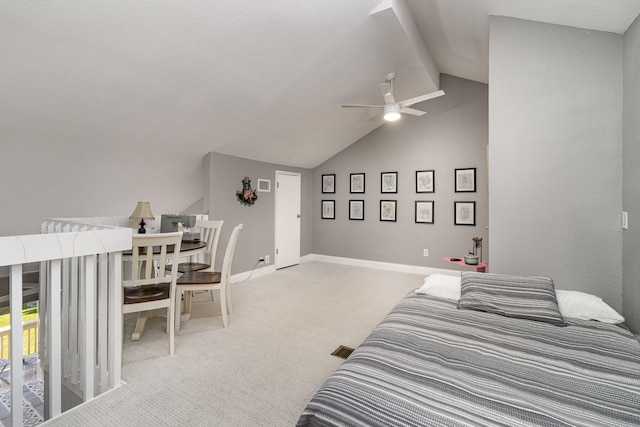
392, 109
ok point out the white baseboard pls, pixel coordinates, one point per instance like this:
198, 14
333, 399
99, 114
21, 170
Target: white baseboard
401, 268
241, 277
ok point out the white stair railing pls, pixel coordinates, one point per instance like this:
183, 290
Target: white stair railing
80, 308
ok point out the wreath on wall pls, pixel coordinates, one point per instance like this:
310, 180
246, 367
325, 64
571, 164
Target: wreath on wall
246, 196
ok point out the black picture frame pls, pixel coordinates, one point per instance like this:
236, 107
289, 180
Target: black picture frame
424, 212
464, 213
329, 183
425, 181
328, 209
356, 210
356, 183
465, 180
389, 182
388, 210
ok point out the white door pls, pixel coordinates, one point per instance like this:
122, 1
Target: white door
287, 225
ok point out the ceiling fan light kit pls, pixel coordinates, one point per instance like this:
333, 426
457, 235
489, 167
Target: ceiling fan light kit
393, 109
391, 112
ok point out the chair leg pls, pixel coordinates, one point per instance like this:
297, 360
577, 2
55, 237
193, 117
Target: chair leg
141, 323
229, 299
177, 310
171, 329
188, 296
223, 305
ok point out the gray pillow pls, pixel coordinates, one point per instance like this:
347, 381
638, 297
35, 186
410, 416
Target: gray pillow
531, 298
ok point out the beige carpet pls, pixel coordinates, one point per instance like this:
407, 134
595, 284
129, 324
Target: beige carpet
264, 368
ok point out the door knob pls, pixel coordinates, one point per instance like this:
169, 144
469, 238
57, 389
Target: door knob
298, 216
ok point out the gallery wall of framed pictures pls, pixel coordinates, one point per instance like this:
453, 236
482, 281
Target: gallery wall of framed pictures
420, 183
464, 211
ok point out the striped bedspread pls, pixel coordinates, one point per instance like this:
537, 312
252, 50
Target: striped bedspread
431, 364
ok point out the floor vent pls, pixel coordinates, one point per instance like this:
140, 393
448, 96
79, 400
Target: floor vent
342, 351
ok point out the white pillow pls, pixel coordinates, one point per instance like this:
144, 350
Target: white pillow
441, 286
580, 305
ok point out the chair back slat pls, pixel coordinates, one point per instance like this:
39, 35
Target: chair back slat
149, 266
211, 234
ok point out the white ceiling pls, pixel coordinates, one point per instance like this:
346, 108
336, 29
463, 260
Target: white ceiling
257, 79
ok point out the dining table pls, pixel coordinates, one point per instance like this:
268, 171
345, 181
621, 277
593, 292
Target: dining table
187, 249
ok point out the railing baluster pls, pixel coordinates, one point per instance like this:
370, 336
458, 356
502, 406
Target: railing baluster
72, 350
102, 368
115, 318
66, 295
43, 307
88, 338
55, 348
16, 348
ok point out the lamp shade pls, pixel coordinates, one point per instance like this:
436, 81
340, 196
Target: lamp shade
142, 211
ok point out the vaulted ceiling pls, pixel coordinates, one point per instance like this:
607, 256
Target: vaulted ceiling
258, 79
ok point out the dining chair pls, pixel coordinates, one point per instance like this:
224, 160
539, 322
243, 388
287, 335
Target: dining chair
210, 280
151, 286
210, 234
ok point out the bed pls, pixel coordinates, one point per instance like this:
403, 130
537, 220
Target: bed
479, 361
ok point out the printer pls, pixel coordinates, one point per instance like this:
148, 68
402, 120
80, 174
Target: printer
170, 223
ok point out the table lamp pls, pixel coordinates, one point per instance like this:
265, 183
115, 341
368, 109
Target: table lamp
142, 212
477, 247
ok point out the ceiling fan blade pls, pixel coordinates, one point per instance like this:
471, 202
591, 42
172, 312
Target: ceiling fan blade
387, 92
412, 111
411, 101
361, 106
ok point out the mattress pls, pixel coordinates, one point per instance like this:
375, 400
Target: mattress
429, 363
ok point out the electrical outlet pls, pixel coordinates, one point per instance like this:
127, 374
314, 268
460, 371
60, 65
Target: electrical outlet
261, 260
266, 259
625, 220
425, 252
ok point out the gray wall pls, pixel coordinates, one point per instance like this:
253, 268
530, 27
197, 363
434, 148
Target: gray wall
46, 180
223, 177
555, 139
630, 194
452, 135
